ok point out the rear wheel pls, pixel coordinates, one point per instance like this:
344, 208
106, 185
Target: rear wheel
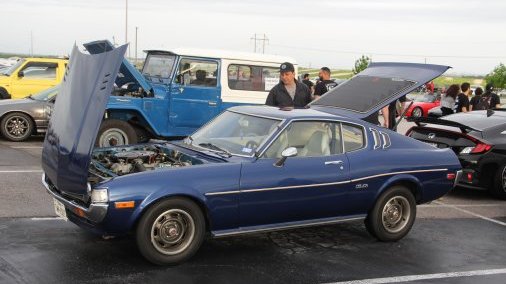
3, 94
115, 132
171, 231
16, 126
393, 214
499, 186
417, 112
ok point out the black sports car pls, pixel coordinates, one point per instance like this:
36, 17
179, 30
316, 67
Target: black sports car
479, 140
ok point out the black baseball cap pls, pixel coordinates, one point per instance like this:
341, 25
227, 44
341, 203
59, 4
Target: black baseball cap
286, 67
489, 87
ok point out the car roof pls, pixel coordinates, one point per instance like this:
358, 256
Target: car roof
277, 113
227, 54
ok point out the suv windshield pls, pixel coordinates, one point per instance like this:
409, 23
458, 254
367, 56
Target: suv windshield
234, 133
46, 94
11, 69
158, 67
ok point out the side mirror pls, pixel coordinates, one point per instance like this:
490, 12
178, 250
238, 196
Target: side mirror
21, 74
288, 152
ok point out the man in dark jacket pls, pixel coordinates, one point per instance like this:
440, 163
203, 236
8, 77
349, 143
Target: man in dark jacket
289, 92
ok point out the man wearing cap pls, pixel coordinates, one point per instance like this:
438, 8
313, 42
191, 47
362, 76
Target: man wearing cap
491, 98
325, 84
289, 92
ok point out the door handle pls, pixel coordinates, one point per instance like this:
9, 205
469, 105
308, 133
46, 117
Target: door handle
334, 162
212, 103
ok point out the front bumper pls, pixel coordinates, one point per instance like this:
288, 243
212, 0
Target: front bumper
94, 213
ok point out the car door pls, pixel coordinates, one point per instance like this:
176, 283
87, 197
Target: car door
195, 93
311, 185
34, 77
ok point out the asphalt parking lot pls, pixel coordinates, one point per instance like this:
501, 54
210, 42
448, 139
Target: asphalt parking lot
459, 238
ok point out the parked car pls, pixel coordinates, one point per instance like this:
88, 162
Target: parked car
251, 169
479, 140
180, 90
30, 76
19, 119
422, 104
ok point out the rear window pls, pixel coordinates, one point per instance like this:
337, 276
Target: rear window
362, 93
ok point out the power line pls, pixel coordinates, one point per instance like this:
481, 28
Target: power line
392, 54
263, 40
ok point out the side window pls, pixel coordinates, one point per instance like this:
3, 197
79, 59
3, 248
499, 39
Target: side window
40, 71
311, 138
252, 78
197, 73
353, 137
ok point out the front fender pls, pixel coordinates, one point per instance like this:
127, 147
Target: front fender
126, 112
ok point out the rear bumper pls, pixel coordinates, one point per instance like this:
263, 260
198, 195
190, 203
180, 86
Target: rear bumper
95, 213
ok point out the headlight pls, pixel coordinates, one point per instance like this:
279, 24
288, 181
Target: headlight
99, 195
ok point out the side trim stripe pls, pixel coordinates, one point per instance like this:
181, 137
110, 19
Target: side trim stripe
320, 184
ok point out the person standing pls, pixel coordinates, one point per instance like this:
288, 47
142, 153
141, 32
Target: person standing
390, 113
288, 92
448, 99
325, 84
309, 84
473, 104
462, 100
489, 99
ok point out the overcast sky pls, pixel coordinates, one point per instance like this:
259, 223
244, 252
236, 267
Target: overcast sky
466, 34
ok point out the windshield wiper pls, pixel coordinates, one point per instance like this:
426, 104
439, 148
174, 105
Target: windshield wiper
214, 147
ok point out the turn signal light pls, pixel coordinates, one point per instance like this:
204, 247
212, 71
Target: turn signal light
124, 204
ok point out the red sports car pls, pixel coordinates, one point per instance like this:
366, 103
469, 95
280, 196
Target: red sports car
422, 104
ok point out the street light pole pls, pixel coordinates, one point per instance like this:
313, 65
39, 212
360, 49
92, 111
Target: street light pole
136, 28
126, 25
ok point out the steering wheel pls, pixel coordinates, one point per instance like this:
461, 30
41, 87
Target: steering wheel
251, 144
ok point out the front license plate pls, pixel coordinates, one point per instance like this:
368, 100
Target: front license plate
59, 209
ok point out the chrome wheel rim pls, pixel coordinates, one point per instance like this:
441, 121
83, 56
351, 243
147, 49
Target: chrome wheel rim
396, 213
17, 126
417, 112
172, 232
113, 137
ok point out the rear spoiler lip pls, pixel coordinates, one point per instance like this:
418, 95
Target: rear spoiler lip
422, 121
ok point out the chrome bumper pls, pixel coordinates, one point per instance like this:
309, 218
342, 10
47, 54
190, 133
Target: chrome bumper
95, 213
457, 178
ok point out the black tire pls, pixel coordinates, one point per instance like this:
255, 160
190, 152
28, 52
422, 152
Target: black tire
4, 95
16, 126
155, 242
417, 112
498, 188
393, 214
115, 132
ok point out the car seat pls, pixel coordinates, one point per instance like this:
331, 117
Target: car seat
317, 145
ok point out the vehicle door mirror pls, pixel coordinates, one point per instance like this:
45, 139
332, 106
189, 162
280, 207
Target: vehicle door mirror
21, 74
288, 152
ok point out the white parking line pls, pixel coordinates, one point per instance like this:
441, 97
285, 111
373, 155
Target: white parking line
21, 171
26, 147
409, 278
473, 214
45, 218
443, 205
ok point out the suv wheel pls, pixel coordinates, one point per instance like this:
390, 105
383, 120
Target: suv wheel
115, 132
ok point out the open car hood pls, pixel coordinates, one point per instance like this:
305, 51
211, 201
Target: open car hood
375, 87
76, 118
127, 72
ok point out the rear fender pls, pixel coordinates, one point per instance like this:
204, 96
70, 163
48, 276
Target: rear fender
407, 180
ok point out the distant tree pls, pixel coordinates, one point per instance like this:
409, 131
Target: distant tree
497, 76
361, 64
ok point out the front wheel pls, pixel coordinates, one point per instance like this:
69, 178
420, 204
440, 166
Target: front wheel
171, 231
417, 112
393, 214
115, 132
499, 186
16, 126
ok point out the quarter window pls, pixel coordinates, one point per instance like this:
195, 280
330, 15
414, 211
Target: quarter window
197, 73
252, 78
353, 137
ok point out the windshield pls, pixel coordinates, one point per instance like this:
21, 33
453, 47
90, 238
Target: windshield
13, 68
158, 67
234, 133
46, 94
427, 98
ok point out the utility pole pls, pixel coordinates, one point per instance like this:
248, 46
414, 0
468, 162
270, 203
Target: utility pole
126, 26
136, 29
263, 40
31, 43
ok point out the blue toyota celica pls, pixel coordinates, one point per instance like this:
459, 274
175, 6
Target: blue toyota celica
251, 169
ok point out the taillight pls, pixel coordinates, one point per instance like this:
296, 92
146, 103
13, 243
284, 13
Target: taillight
470, 177
479, 148
450, 176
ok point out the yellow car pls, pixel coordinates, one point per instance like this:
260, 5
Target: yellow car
31, 75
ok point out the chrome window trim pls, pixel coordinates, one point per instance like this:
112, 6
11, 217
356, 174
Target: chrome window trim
290, 225
375, 136
322, 184
386, 140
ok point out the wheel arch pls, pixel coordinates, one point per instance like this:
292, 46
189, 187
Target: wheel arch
6, 92
409, 181
134, 116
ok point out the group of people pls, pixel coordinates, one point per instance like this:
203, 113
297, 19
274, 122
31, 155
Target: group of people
289, 92
460, 99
